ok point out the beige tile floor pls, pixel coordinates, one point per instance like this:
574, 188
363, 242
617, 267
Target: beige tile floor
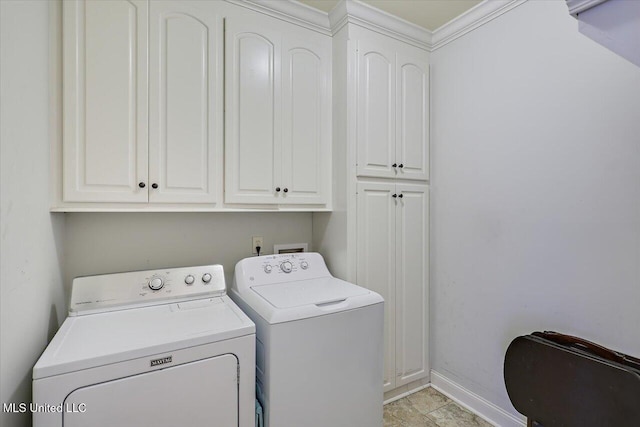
429, 408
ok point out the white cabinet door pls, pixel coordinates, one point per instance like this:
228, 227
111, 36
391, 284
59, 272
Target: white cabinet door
253, 108
105, 101
376, 263
376, 107
185, 123
306, 118
412, 113
412, 277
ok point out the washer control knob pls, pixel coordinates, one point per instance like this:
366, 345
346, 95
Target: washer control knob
267, 269
286, 267
156, 283
304, 265
189, 280
206, 277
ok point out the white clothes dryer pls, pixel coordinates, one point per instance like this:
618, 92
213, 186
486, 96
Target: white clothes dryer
319, 342
159, 348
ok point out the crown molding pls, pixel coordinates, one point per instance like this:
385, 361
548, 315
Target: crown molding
475, 17
361, 14
356, 12
579, 6
291, 11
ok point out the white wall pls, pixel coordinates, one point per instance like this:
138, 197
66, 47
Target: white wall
31, 292
536, 193
97, 243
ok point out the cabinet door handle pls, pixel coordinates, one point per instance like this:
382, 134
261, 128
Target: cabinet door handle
400, 165
154, 185
277, 189
142, 185
394, 195
286, 190
400, 195
394, 165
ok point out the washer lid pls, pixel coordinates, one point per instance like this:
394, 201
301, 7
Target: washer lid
100, 339
291, 301
319, 292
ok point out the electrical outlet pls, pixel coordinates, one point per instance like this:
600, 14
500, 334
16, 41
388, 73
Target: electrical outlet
257, 241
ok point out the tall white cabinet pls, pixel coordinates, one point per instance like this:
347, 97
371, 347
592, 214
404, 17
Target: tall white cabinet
379, 235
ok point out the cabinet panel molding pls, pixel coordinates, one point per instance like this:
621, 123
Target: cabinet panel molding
376, 263
412, 276
104, 101
306, 121
253, 110
376, 110
186, 114
412, 139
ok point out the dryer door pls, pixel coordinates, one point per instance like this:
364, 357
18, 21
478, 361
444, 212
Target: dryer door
201, 393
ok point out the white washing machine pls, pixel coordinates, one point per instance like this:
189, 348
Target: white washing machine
149, 348
319, 342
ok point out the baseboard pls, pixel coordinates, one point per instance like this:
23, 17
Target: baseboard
476, 404
406, 390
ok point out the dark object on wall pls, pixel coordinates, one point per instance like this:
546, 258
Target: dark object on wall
560, 380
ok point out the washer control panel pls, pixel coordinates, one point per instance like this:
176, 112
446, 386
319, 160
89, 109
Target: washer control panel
110, 292
284, 264
270, 269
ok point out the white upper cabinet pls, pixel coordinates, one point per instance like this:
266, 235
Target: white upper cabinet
136, 131
105, 101
185, 121
393, 109
277, 113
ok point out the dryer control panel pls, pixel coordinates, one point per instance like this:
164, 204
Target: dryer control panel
109, 292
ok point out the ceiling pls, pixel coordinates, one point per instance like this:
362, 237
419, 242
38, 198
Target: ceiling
429, 14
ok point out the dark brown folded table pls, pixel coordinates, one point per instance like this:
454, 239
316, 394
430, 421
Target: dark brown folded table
560, 380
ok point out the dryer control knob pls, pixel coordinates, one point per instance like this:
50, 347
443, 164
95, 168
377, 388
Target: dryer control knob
206, 277
304, 265
189, 280
286, 267
267, 269
156, 283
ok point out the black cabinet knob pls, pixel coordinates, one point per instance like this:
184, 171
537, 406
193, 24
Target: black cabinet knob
394, 195
394, 165
277, 189
400, 195
142, 185
154, 185
286, 190
400, 165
